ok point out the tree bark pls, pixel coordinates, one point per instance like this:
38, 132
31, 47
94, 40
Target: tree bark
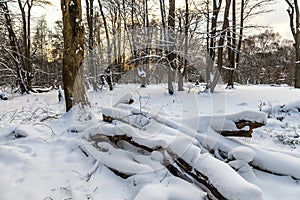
295, 29
297, 45
232, 49
73, 56
28, 64
220, 45
186, 46
109, 60
240, 40
106, 32
211, 41
170, 41
90, 23
27, 71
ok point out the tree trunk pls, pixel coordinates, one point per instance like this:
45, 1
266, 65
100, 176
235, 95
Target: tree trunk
297, 67
212, 41
28, 64
232, 49
133, 39
295, 29
171, 41
109, 62
186, 46
149, 39
90, 23
24, 52
106, 32
73, 33
220, 45
240, 40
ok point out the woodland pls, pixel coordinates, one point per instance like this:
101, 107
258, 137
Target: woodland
148, 100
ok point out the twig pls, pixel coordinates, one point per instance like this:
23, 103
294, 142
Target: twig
53, 133
93, 170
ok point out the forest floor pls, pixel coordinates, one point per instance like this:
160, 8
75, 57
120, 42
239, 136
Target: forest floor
44, 154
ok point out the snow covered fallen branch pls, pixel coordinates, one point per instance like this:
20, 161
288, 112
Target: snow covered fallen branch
235, 125
128, 147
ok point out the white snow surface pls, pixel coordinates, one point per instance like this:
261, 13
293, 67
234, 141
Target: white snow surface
46, 154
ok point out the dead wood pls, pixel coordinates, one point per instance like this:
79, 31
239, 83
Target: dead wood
241, 132
178, 167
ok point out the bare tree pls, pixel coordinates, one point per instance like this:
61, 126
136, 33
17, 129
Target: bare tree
266, 59
25, 8
186, 46
221, 44
108, 41
14, 51
20, 48
231, 39
211, 40
241, 32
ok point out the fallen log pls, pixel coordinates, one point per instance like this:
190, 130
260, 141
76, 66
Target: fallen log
173, 163
241, 132
114, 140
202, 180
239, 129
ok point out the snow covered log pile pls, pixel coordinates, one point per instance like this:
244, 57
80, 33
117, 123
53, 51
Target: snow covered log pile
137, 142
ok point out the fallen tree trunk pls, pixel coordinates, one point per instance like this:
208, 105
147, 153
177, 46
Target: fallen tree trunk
193, 154
175, 165
240, 125
238, 131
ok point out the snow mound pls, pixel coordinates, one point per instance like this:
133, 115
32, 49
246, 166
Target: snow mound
226, 179
242, 153
170, 188
292, 107
118, 159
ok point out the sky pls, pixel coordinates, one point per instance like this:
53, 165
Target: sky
278, 19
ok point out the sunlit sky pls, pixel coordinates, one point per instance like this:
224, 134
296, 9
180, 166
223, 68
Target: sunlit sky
278, 19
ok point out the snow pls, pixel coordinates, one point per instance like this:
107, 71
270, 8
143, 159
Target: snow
142, 73
242, 153
230, 184
170, 188
278, 162
117, 159
225, 122
46, 154
72, 3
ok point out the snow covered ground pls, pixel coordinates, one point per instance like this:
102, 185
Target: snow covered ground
45, 154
